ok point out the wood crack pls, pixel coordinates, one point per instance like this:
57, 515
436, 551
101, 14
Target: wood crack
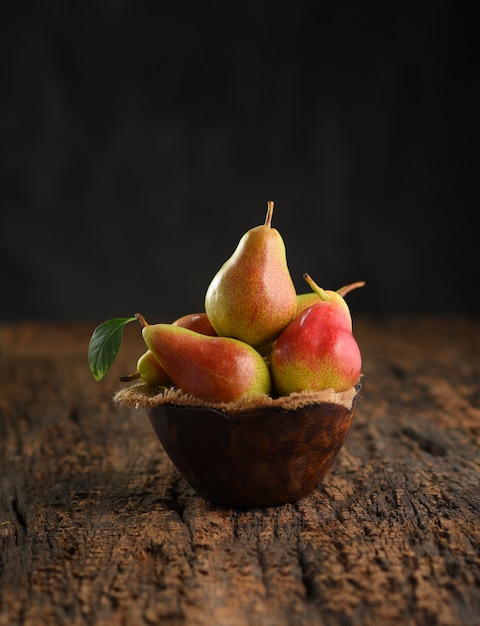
307, 573
426, 443
19, 514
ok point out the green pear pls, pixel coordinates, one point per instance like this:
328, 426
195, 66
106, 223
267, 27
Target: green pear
304, 300
317, 350
214, 369
252, 296
149, 371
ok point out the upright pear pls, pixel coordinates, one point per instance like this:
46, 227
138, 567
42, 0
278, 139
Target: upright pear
317, 350
214, 369
252, 296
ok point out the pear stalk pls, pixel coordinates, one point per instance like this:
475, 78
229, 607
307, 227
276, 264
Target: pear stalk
130, 377
316, 288
142, 320
268, 218
341, 292
348, 288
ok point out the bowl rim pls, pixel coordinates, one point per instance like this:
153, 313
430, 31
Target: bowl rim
142, 396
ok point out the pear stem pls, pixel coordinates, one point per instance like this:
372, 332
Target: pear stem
347, 288
127, 379
316, 288
142, 320
268, 219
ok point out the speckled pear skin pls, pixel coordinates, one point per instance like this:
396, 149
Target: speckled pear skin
337, 304
315, 352
265, 457
210, 368
149, 369
305, 300
252, 297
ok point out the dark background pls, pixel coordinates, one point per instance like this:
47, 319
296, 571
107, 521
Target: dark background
139, 141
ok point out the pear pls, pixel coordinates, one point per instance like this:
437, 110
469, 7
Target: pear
214, 369
317, 350
304, 300
252, 296
149, 371
198, 322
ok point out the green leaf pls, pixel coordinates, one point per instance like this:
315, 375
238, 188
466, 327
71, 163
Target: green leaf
105, 344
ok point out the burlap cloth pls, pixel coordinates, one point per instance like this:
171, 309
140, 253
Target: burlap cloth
140, 396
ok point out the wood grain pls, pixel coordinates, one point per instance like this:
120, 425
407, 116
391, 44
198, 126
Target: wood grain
97, 527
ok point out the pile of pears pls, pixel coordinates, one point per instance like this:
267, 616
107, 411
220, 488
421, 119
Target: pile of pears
256, 336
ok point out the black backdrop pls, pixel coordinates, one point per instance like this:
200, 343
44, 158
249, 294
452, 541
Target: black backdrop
140, 141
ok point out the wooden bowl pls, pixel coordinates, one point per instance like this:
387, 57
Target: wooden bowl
256, 457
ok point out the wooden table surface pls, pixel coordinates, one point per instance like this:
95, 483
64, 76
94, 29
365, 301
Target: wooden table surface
97, 527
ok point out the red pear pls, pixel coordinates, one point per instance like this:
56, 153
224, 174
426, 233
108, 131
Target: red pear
305, 300
317, 350
149, 369
214, 369
198, 322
